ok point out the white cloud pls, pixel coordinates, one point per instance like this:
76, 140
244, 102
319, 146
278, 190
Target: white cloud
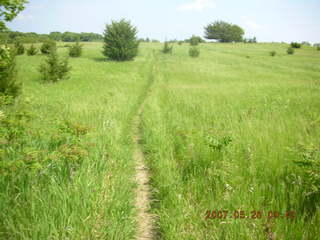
23, 16
197, 5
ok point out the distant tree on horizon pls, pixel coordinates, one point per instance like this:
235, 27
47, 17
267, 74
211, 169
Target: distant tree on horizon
224, 32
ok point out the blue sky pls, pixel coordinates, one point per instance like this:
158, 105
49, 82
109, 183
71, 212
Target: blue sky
268, 20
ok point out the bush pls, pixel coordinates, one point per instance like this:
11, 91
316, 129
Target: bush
47, 47
120, 40
54, 69
273, 53
194, 52
318, 48
19, 48
290, 51
75, 50
32, 50
194, 40
295, 45
167, 48
180, 42
9, 84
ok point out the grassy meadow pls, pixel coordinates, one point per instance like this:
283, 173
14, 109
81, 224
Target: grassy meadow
223, 131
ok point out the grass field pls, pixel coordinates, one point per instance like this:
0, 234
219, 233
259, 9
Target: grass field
219, 132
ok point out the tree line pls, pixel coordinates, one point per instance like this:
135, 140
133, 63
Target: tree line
7, 36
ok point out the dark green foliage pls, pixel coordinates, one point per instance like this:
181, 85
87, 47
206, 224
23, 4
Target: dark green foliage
295, 45
180, 42
54, 69
273, 53
20, 49
194, 52
120, 41
224, 32
48, 46
290, 51
318, 48
9, 10
9, 84
167, 47
75, 50
32, 50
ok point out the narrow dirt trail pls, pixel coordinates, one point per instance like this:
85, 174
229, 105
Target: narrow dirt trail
145, 220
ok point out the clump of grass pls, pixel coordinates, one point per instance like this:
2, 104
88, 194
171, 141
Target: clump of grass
194, 52
290, 51
273, 53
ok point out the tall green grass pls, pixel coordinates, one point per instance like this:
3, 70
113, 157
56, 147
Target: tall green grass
94, 198
226, 131
222, 132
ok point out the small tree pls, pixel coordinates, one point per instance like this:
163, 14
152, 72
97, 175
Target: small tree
75, 50
194, 52
9, 84
167, 48
32, 50
290, 51
121, 41
47, 47
54, 69
20, 49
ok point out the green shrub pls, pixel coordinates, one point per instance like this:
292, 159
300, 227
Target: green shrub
295, 45
75, 50
120, 40
273, 53
318, 48
20, 49
32, 50
194, 52
47, 47
290, 51
167, 48
9, 84
194, 40
180, 42
54, 69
